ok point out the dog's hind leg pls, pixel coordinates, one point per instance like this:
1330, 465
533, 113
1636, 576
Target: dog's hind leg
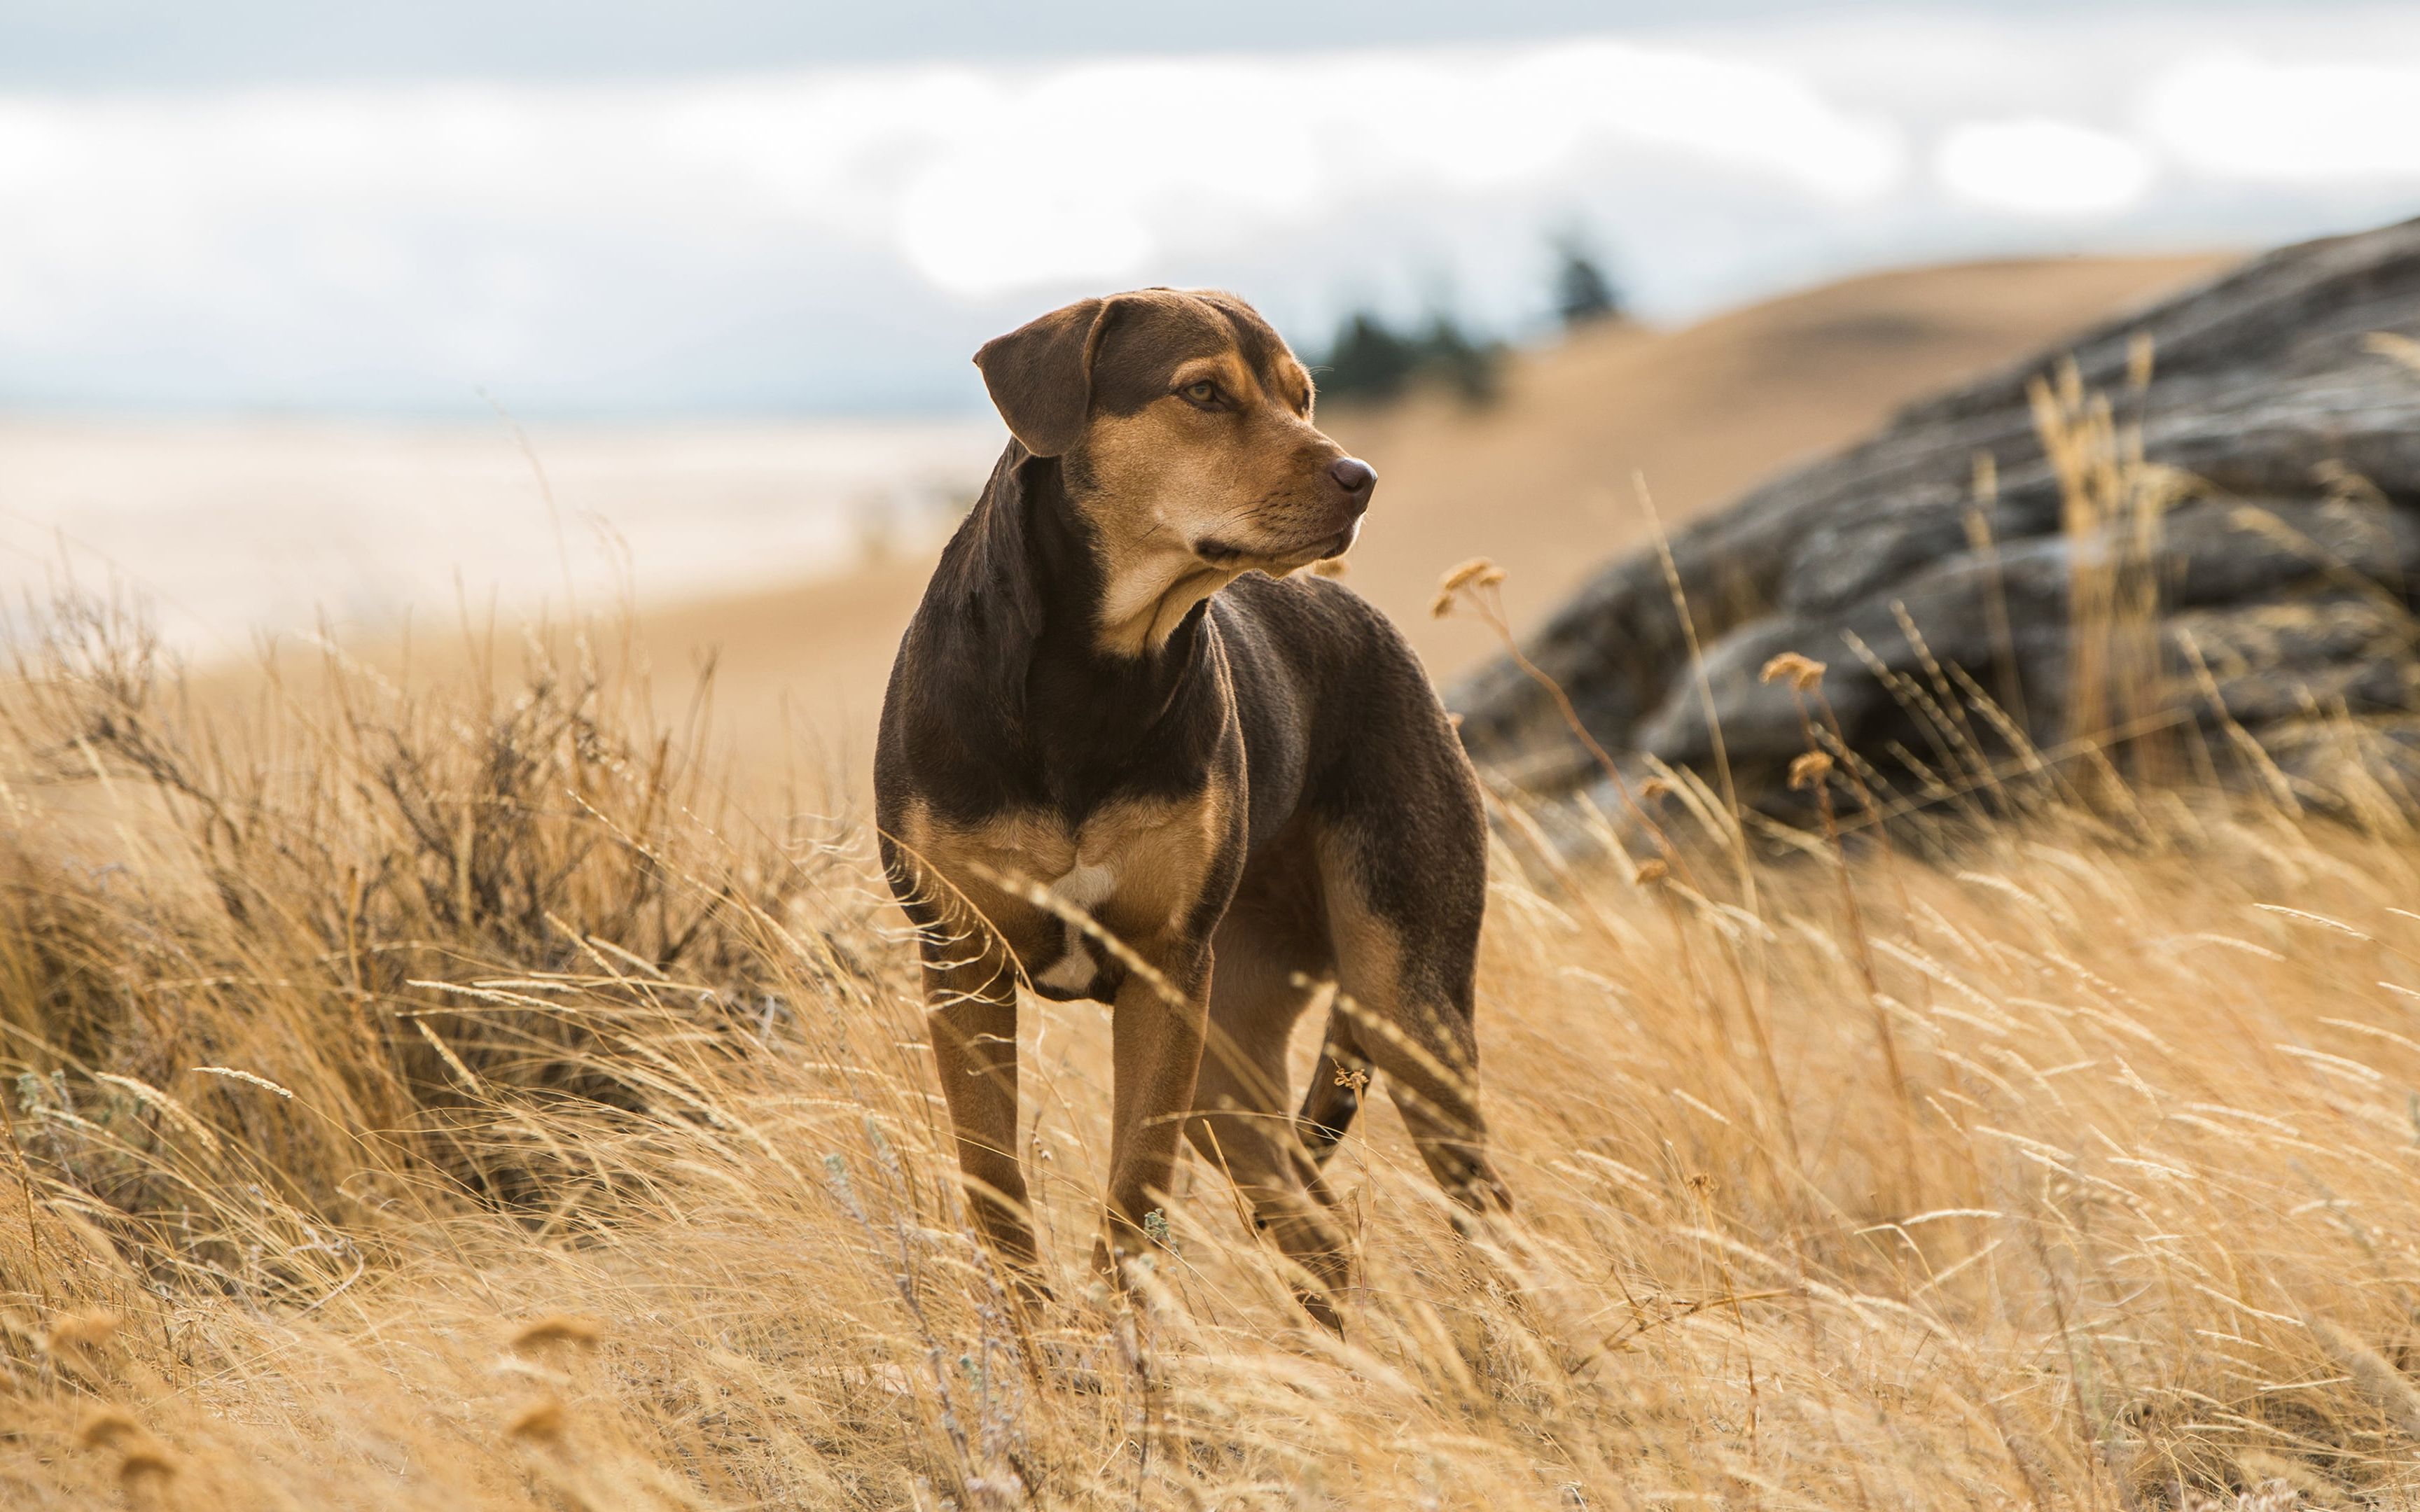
1242, 1127
1337, 1084
1406, 948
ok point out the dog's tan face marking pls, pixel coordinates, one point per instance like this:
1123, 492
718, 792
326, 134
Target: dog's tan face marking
1194, 459
1137, 868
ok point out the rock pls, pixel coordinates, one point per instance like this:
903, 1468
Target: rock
2253, 568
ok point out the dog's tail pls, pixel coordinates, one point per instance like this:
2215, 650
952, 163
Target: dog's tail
1337, 1085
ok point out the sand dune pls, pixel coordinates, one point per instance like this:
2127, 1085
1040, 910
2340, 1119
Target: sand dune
1541, 481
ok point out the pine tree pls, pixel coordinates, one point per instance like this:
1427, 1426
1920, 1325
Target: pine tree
1583, 295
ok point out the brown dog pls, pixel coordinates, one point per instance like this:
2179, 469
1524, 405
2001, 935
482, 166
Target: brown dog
1122, 741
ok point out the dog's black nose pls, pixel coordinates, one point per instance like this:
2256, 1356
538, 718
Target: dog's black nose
1353, 475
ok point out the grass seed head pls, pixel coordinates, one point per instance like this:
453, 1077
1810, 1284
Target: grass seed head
142, 1459
105, 1427
539, 1421
87, 1330
1474, 575
139, 1465
559, 1328
1803, 672
1809, 770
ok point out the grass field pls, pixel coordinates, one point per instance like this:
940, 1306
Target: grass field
432, 1100
441, 1097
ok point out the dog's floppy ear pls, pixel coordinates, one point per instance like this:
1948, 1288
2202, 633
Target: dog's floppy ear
1040, 375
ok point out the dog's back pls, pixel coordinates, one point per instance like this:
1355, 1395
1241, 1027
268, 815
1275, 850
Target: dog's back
1327, 686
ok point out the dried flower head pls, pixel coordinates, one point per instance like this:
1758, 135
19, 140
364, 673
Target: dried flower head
105, 1427
1479, 572
561, 1328
150, 1463
540, 1422
1802, 671
2140, 359
1809, 770
140, 1457
81, 1331
1654, 788
1650, 873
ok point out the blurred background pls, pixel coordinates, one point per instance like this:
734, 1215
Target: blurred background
377, 316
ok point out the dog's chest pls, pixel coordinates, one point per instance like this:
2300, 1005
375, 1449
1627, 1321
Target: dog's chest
1084, 890
1133, 869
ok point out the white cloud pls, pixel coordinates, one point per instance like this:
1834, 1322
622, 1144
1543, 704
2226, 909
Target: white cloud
1086, 172
2239, 116
2039, 166
784, 235
1083, 173
984, 181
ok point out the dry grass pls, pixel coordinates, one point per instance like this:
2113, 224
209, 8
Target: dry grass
430, 1100
431, 1106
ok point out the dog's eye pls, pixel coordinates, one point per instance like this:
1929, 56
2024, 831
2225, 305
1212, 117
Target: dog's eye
1204, 393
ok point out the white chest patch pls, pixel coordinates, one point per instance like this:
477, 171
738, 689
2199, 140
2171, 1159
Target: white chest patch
1084, 886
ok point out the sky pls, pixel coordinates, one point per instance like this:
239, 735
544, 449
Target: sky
732, 208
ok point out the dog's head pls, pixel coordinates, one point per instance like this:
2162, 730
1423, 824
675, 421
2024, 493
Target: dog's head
1183, 425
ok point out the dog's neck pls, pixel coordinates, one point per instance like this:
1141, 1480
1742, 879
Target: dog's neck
1121, 589
1140, 581
1147, 597
1055, 612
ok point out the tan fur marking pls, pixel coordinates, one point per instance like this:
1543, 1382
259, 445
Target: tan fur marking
1156, 856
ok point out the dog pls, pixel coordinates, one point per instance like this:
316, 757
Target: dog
1131, 752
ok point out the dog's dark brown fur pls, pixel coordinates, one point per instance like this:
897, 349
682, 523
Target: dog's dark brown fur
1114, 690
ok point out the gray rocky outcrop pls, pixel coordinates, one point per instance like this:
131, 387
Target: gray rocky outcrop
2282, 420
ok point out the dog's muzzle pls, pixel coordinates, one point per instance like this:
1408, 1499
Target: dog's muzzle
1220, 553
1350, 480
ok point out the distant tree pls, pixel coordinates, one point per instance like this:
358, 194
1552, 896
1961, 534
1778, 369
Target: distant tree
1368, 359
1468, 367
1371, 361
1583, 294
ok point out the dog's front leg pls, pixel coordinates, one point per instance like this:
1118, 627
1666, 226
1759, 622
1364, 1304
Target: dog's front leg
1156, 1031
971, 1012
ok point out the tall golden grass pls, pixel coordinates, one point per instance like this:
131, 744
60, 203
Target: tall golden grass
434, 1098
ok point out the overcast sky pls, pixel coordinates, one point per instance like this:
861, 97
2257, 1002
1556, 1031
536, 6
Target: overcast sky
730, 205
116, 44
